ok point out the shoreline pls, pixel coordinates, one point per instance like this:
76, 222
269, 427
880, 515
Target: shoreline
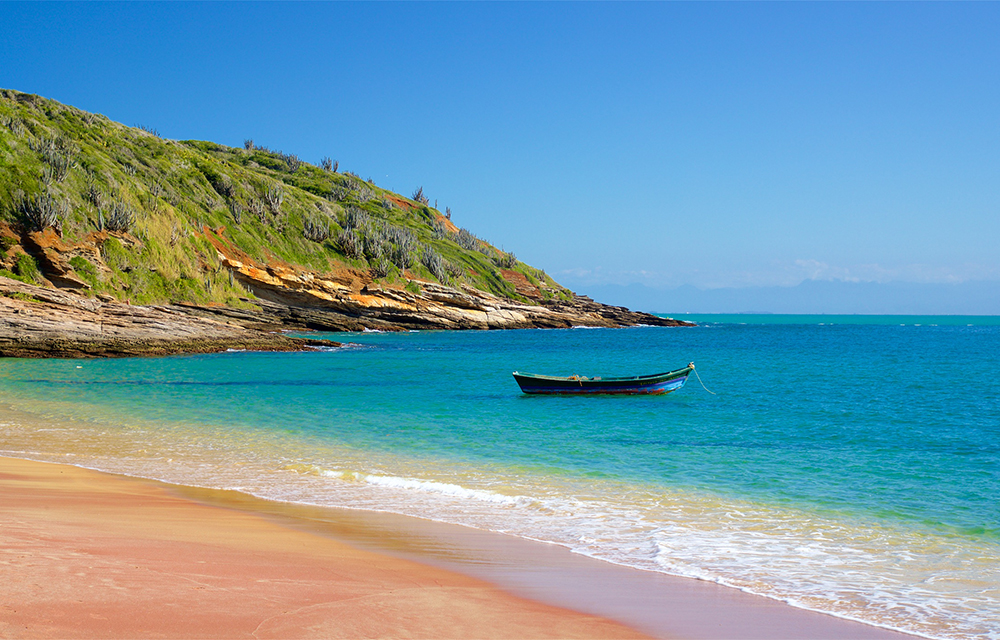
547, 583
46, 322
93, 555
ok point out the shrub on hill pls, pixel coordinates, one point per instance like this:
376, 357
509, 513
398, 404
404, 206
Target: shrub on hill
81, 173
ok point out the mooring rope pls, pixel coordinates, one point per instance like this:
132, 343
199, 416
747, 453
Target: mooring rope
699, 380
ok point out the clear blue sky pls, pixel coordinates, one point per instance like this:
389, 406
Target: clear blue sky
709, 144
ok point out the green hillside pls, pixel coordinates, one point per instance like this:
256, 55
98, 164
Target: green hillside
142, 204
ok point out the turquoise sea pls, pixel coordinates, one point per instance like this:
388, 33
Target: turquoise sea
846, 464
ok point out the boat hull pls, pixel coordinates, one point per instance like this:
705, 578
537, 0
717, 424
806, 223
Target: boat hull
656, 384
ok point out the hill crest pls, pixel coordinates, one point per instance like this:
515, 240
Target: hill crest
80, 173
120, 214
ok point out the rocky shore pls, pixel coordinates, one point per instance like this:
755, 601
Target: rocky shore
40, 322
64, 318
348, 299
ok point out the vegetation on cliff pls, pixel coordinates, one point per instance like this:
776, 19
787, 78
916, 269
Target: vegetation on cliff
120, 212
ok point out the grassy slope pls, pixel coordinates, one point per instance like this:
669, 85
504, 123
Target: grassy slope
89, 166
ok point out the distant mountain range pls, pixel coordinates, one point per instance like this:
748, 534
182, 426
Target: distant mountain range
811, 296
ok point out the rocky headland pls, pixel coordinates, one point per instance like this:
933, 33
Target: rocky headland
115, 241
62, 316
69, 321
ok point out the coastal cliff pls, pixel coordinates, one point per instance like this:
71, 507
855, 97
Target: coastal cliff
38, 321
116, 241
46, 322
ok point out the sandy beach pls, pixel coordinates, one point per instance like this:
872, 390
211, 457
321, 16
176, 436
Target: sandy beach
92, 555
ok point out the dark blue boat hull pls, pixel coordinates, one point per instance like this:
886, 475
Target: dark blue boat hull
657, 384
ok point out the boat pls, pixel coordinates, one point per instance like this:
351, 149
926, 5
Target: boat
656, 383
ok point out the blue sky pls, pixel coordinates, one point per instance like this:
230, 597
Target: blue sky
660, 144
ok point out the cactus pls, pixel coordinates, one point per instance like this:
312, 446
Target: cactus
274, 196
400, 256
505, 260
94, 195
439, 229
258, 209
357, 219
349, 244
418, 196
14, 124
465, 239
292, 161
380, 268
316, 231
118, 217
375, 245
42, 211
435, 264
56, 153
237, 210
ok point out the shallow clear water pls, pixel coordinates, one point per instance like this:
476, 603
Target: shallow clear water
850, 466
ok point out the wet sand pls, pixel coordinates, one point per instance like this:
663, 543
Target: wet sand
85, 554
90, 555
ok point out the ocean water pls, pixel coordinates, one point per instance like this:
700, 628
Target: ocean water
845, 464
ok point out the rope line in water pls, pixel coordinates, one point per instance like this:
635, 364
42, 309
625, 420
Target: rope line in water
703, 384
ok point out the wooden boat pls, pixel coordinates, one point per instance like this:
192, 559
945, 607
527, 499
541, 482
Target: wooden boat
657, 383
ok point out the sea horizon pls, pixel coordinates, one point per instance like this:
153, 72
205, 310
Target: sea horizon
957, 319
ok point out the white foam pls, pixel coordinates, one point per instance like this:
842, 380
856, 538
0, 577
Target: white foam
919, 582
444, 488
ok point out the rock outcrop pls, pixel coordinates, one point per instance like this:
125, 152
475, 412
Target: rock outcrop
63, 318
349, 300
46, 322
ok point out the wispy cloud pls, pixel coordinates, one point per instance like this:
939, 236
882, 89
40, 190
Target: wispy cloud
783, 274
918, 273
